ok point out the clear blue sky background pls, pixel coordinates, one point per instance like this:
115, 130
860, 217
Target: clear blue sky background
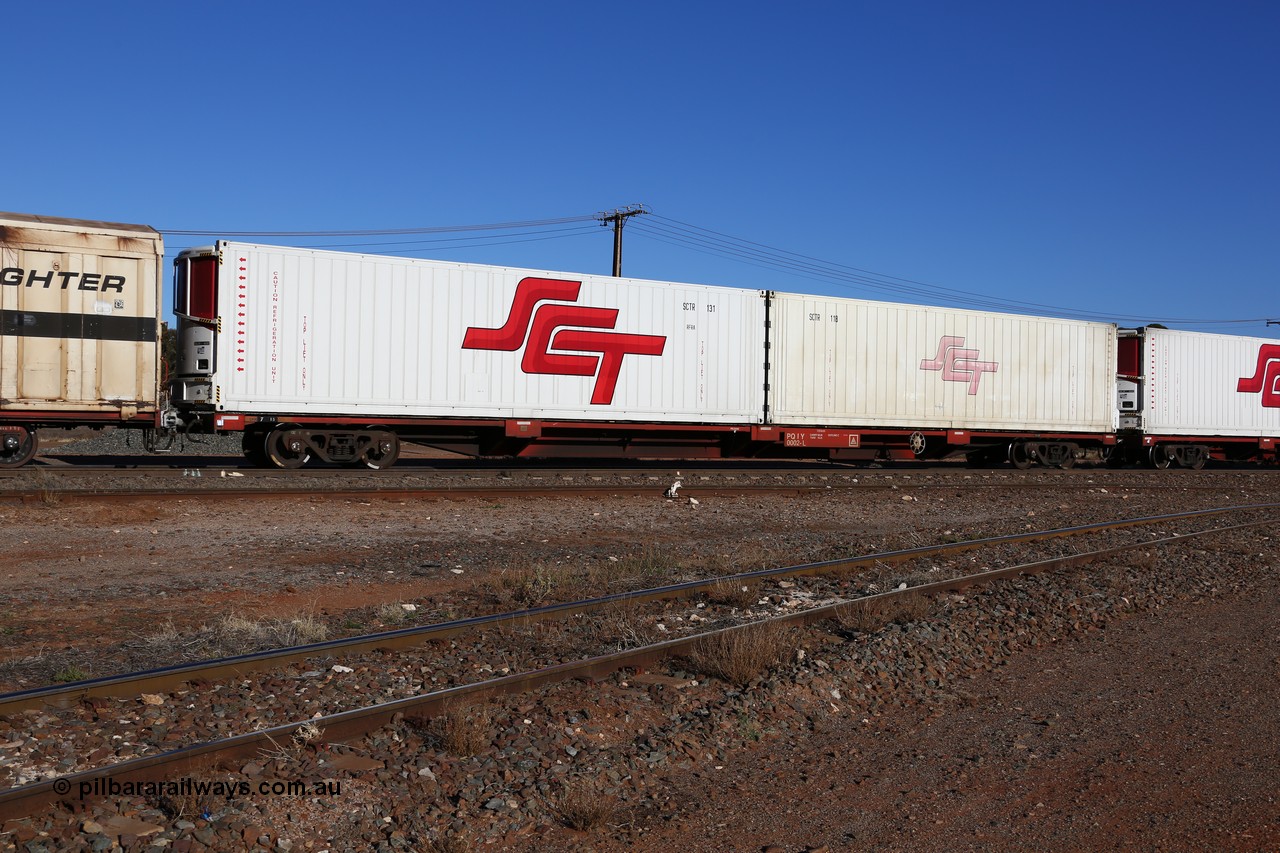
1115, 159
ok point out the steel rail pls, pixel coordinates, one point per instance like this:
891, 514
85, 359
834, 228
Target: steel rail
337, 728
448, 491
44, 494
167, 678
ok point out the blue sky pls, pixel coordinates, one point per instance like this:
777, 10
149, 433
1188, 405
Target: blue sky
1114, 159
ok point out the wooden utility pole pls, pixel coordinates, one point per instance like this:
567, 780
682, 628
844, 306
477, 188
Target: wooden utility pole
618, 218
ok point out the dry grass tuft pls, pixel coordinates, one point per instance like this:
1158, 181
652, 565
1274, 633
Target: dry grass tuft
393, 613
537, 585
623, 625
236, 631
583, 806
460, 729
868, 615
745, 654
734, 593
651, 564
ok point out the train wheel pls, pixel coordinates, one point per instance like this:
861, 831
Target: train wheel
1195, 457
285, 448
1159, 457
1019, 456
385, 451
18, 447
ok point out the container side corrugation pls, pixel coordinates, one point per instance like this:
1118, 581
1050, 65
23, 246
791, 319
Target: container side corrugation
847, 361
328, 333
1192, 384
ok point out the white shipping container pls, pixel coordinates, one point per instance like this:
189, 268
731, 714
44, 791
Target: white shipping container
79, 316
1195, 383
878, 364
329, 333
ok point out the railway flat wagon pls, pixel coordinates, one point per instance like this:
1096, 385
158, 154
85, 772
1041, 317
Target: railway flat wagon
1185, 397
337, 355
79, 327
941, 380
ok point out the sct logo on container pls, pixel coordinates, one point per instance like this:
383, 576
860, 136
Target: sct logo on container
549, 328
958, 364
1265, 378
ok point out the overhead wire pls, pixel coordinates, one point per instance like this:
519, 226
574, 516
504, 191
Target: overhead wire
440, 229
675, 232
685, 235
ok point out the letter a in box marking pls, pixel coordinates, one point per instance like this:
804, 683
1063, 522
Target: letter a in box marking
547, 331
1265, 378
959, 365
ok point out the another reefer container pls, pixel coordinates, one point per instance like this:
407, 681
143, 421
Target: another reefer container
79, 320
319, 333
878, 364
1198, 384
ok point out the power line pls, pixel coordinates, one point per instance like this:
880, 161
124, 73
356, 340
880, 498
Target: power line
696, 238
226, 232
438, 246
761, 255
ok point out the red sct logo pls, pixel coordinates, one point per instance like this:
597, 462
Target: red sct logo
958, 364
1265, 378
540, 329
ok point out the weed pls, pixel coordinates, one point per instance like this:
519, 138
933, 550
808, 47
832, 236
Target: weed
744, 654
392, 614
238, 630
302, 737
748, 728
459, 729
650, 564
734, 593
70, 673
621, 624
583, 806
188, 801
532, 587
868, 615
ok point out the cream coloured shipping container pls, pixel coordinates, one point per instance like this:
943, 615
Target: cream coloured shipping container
1193, 383
321, 333
79, 320
879, 364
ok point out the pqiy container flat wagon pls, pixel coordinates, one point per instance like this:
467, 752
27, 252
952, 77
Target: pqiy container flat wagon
469, 355
79, 327
975, 375
336, 355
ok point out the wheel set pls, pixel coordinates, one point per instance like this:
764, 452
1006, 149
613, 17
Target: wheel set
291, 446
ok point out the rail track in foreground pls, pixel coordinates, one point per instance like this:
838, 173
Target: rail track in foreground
348, 724
329, 484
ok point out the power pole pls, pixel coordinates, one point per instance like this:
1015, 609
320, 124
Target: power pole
619, 218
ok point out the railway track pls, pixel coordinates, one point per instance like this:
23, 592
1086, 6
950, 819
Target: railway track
344, 724
80, 484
